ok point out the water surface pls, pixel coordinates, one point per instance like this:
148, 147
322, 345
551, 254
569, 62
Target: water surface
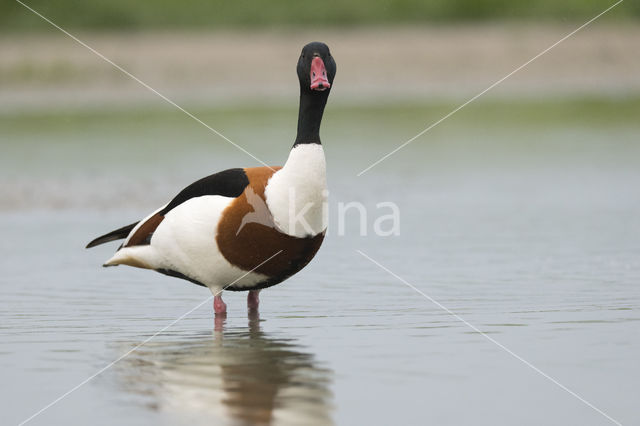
523, 220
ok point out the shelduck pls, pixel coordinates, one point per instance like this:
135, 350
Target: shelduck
244, 229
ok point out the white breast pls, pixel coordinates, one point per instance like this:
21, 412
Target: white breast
297, 194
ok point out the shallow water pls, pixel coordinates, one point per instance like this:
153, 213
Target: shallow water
526, 226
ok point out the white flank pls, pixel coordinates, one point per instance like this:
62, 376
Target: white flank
185, 241
297, 194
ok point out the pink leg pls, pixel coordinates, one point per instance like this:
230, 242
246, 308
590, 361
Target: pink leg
253, 300
219, 306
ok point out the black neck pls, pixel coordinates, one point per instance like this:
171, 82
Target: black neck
310, 116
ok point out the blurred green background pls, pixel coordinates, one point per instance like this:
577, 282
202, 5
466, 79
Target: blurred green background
148, 14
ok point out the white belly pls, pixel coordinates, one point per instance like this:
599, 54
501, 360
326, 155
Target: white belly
185, 242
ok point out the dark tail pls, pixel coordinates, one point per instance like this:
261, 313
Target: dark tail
118, 234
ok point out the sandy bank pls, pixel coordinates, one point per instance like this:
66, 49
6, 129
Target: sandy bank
373, 65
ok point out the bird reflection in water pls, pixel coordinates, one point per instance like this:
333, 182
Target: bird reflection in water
243, 376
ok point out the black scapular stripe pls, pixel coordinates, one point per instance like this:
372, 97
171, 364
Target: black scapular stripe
228, 183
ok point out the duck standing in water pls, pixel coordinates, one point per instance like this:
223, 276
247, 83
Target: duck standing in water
244, 229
